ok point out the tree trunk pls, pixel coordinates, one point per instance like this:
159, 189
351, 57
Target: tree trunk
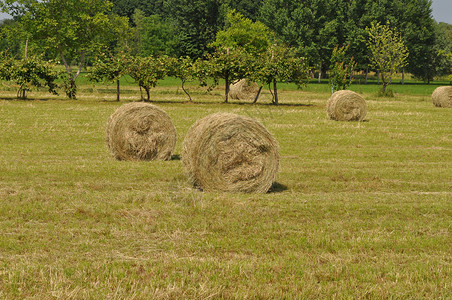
71, 88
351, 78
257, 95
183, 88
320, 72
378, 77
226, 87
403, 75
367, 74
276, 91
148, 94
117, 90
26, 49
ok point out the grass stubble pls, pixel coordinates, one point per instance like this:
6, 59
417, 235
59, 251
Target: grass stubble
360, 209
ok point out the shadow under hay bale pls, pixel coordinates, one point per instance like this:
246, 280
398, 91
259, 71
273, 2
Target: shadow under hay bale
230, 153
243, 90
140, 131
442, 96
346, 105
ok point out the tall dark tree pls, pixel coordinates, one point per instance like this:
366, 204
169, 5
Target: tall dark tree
197, 24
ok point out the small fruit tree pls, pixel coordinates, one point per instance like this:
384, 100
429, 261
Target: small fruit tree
279, 64
388, 52
109, 67
341, 69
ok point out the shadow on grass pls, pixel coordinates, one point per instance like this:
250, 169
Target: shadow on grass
277, 188
175, 157
206, 102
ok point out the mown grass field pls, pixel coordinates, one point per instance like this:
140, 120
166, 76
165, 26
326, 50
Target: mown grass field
360, 210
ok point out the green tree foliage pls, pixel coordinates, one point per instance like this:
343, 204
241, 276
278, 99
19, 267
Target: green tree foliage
278, 64
442, 46
27, 73
6, 65
241, 32
229, 65
157, 37
10, 37
109, 67
182, 68
70, 28
341, 68
197, 22
388, 52
147, 71
450, 60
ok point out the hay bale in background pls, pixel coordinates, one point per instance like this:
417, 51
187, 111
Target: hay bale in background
442, 96
243, 90
140, 131
346, 106
231, 153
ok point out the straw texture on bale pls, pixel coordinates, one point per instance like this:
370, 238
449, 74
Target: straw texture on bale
230, 153
243, 90
346, 105
442, 96
140, 131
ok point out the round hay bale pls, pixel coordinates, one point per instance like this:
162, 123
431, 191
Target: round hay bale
346, 105
230, 153
243, 90
140, 131
442, 96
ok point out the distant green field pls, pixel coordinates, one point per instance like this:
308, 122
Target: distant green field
360, 210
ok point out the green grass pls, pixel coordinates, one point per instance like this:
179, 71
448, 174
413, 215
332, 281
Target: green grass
361, 210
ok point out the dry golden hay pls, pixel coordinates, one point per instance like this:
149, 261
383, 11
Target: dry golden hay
140, 131
442, 96
243, 90
346, 105
230, 153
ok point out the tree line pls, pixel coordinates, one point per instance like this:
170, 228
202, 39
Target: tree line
198, 33
312, 27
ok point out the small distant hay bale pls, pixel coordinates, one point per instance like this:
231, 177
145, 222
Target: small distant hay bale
442, 96
230, 153
346, 105
140, 131
243, 90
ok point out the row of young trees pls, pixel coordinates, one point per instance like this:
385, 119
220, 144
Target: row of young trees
74, 31
276, 64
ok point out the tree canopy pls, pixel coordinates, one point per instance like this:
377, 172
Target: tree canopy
187, 28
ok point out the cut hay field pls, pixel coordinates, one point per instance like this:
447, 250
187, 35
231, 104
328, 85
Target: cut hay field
360, 210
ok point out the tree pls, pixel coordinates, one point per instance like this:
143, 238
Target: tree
450, 59
241, 32
182, 68
197, 22
109, 67
341, 69
6, 66
279, 64
10, 37
388, 52
28, 72
229, 65
146, 71
157, 37
72, 29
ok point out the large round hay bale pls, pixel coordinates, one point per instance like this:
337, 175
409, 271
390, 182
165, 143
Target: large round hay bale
346, 105
230, 153
442, 96
244, 89
140, 131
